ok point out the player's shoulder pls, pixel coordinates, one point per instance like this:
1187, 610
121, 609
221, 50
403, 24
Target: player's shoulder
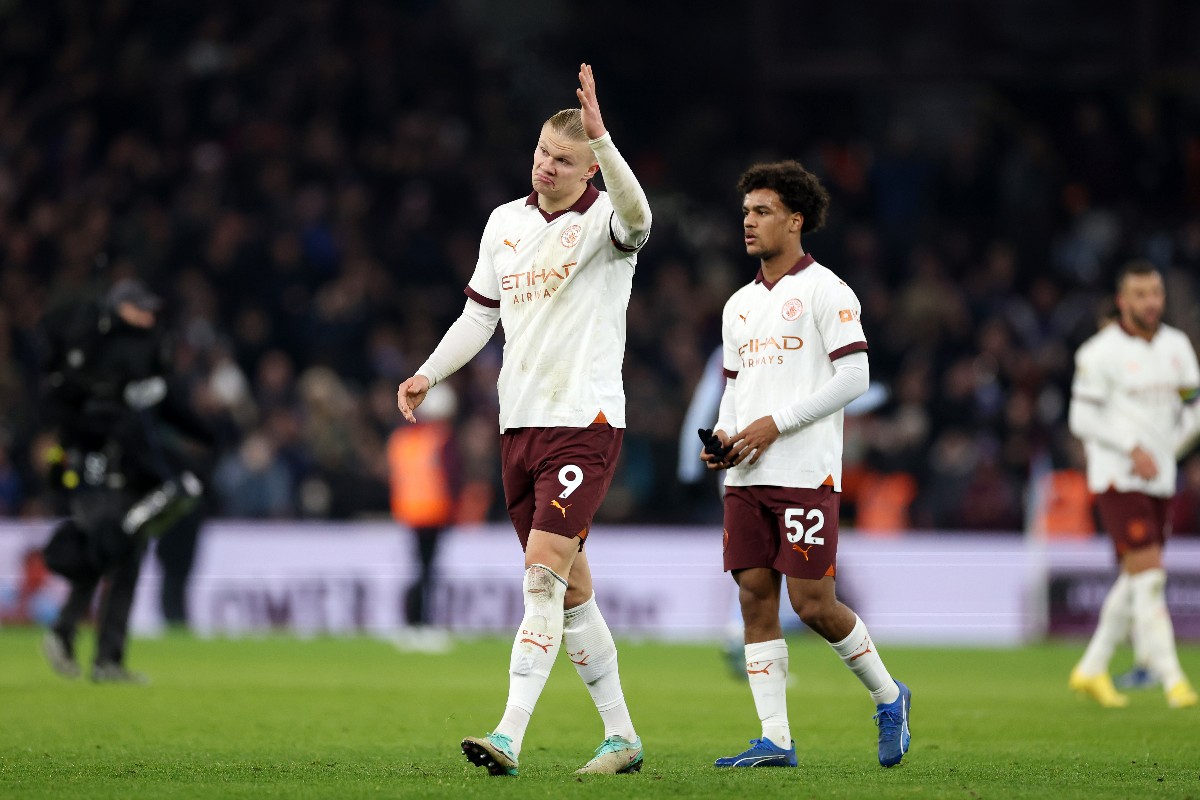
599, 210
823, 282
818, 275
1100, 342
1175, 336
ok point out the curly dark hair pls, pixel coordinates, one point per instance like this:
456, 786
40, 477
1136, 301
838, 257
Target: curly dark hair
798, 188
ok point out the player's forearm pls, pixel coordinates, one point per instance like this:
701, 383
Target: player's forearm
1089, 422
851, 377
727, 415
629, 201
463, 340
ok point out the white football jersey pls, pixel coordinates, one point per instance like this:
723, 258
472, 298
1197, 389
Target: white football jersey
1138, 386
780, 343
562, 284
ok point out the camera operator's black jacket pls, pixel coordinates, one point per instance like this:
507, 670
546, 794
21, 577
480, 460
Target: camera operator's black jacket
108, 390
109, 393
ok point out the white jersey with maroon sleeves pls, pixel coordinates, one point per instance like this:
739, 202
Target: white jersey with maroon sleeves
562, 284
780, 342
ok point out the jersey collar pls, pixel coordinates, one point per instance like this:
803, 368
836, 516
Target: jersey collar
579, 206
1134, 334
803, 263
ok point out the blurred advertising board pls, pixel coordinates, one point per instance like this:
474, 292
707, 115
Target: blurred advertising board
652, 582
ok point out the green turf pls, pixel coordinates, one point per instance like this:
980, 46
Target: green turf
280, 717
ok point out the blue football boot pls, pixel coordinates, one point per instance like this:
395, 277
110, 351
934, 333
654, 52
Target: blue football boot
892, 719
762, 753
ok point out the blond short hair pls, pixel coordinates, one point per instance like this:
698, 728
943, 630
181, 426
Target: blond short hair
568, 123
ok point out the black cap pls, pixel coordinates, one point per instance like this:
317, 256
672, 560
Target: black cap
131, 290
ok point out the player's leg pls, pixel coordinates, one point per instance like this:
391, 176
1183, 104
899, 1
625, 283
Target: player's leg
575, 469
1128, 518
1139, 675
765, 650
815, 602
808, 521
1147, 581
548, 560
751, 542
1090, 676
496, 750
590, 646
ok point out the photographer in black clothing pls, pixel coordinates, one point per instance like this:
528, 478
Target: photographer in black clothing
107, 392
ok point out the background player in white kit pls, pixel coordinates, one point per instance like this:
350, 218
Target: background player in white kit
1133, 404
556, 268
795, 355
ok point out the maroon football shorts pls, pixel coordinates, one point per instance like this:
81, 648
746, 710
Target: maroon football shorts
792, 531
1134, 520
556, 478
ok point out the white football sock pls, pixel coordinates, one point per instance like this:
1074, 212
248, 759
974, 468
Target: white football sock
857, 652
534, 649
767, 668
1116, 617
590, 646
1153, 622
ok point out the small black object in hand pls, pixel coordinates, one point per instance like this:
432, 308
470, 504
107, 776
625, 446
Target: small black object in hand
712, 444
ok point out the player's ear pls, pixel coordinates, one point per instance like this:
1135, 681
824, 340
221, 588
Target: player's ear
591, 172
797, 221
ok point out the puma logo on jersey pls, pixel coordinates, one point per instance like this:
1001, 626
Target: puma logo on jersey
561, 508
583, 657
545, 647
764, 671
802, 550
742, 317
513, 245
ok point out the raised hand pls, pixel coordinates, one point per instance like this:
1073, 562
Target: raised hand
593, 123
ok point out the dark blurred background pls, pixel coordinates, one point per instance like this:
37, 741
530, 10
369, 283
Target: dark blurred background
306, 182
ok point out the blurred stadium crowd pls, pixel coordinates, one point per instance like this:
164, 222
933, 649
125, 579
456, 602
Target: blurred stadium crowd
306, 183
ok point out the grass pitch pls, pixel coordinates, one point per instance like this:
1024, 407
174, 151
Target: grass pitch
281, 717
